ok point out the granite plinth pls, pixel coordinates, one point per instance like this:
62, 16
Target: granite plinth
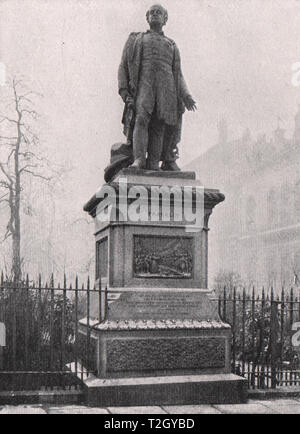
137, 351
159, 249
155, 331
155, 304
158, 332
153, 255
166, 390
129, 171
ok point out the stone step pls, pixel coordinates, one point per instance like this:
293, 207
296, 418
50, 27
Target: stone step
165, 390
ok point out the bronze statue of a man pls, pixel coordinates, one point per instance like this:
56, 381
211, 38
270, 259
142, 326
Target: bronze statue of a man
155, 94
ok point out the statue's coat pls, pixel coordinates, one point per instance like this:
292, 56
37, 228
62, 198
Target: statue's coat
128, 79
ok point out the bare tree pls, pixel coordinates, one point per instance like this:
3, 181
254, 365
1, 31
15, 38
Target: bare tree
20, 158
228, 280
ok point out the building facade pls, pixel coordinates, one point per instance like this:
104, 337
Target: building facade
256, 231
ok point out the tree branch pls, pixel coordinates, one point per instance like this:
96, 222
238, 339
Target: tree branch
37, 175
16, 82
28, 154
2, 198
6, 174
29, 130
32, 166
8, 138
5, 118
6, 236
32, 113
4, 184
31, 92
10, 155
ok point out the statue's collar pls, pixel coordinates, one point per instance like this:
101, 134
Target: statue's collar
158, 33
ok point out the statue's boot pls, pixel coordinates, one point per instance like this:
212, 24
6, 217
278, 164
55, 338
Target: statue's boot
138, 163
152, 165
140, 140
171, 166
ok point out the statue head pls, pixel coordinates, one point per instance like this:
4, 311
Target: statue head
157, 15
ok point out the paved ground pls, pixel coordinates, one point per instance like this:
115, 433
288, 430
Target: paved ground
276, 406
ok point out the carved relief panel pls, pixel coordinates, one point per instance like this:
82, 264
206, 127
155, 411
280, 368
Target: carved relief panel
163, 257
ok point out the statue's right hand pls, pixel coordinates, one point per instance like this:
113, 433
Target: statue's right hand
130, 101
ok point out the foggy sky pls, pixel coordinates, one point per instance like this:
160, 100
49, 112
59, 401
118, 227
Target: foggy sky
236, 58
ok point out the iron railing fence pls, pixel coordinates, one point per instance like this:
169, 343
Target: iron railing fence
265, 347
42, 348
46, 349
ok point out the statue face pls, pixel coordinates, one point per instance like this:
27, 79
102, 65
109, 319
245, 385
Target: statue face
156, 15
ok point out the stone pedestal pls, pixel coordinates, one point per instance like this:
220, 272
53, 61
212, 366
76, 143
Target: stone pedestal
156, 334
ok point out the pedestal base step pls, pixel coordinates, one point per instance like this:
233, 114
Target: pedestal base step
171, 390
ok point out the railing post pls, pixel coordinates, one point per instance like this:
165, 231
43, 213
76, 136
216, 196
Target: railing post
88, 334
14, 325
243, 332
39, 351
76, 327
106, 302
224, 304
282, 308
273, 340
291, 308
262, 339
52, 324
25, 297
234, 330
63, 324
100, 301
2, 317
253, 338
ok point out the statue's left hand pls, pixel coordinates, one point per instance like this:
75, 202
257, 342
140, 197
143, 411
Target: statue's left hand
190, 103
